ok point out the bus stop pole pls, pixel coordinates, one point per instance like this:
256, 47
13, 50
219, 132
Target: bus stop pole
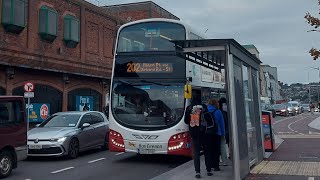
28, 114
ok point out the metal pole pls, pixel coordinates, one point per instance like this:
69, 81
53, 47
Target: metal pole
28, 114
309, 87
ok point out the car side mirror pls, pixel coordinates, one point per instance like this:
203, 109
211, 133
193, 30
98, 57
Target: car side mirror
85, 125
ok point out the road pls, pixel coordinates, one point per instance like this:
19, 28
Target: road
96, 165
295, 125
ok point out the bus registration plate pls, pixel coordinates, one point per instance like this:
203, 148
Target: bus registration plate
147, 151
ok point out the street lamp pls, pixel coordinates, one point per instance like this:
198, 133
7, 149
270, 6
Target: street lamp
317, 68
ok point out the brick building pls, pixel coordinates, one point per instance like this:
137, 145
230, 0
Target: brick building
140, 10
64, 47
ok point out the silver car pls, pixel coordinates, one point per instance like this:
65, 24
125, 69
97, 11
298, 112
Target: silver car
68, 133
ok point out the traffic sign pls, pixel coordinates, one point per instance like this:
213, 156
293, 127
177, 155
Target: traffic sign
28, 94
28, 87
44, 111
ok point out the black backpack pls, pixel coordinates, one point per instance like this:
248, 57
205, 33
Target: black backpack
207, 127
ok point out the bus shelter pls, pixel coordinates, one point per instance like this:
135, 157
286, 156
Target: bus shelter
241, 70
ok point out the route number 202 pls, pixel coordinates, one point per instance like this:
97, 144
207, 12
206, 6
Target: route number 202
133, 67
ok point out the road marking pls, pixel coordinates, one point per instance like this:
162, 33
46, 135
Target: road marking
119, 153
308, 157
289, 126
287, 118
310, 178
96, 160
310, 132
285, 132
61, 170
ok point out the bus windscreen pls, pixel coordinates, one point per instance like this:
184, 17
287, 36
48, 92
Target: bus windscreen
150, 36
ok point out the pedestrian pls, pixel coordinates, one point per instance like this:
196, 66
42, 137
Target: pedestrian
193, 119
311, 106
86, 107
213, 107
225, 138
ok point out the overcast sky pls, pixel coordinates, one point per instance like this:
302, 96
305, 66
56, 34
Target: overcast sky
276, 27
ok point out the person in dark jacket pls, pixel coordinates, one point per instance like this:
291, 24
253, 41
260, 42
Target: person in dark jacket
198, 138
224, 139
213, 107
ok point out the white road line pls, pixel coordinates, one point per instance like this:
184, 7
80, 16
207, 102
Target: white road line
289, 126
96, 160
307, 157
287, 118
119, 153
61, 170
310, 178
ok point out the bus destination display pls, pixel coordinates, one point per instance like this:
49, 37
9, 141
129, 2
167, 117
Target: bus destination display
149, 68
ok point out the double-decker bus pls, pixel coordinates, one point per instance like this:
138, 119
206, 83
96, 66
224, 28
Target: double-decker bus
147, 101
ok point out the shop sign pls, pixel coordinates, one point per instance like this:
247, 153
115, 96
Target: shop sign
84, 103
38, 112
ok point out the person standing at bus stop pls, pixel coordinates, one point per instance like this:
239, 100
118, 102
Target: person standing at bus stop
213, 107
225, 138
192, 118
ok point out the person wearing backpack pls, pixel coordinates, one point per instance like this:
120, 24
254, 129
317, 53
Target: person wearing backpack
197, 132
213, 108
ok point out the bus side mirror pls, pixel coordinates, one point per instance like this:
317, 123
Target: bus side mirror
187, 91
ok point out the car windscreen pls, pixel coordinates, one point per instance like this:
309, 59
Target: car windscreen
294, 104
65, 120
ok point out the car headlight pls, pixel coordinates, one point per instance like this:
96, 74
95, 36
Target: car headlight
62, 139
283, 110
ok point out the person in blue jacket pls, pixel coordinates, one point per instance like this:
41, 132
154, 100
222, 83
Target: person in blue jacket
213, 107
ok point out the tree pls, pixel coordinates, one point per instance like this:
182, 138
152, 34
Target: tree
315, 23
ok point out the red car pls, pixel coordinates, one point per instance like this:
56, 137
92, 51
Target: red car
13, 133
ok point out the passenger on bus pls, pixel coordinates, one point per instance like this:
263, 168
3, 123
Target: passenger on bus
218, 117
198, 137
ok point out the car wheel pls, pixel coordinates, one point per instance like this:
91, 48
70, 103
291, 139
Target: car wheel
73, 148
6, 164
105, 145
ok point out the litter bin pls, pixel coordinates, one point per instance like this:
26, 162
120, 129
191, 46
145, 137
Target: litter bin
269, 142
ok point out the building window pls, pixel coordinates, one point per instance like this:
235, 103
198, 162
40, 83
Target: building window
48, 23
71, 33
14, 15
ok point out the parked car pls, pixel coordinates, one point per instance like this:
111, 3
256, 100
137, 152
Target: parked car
268, 107
13, 133
68, 133
296, 106
281, 109
305, 107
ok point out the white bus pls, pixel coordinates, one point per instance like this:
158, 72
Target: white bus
147, 101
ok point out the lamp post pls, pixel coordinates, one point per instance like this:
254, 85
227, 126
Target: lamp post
317, 68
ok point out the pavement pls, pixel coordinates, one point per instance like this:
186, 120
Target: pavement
187, 172
315, 124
